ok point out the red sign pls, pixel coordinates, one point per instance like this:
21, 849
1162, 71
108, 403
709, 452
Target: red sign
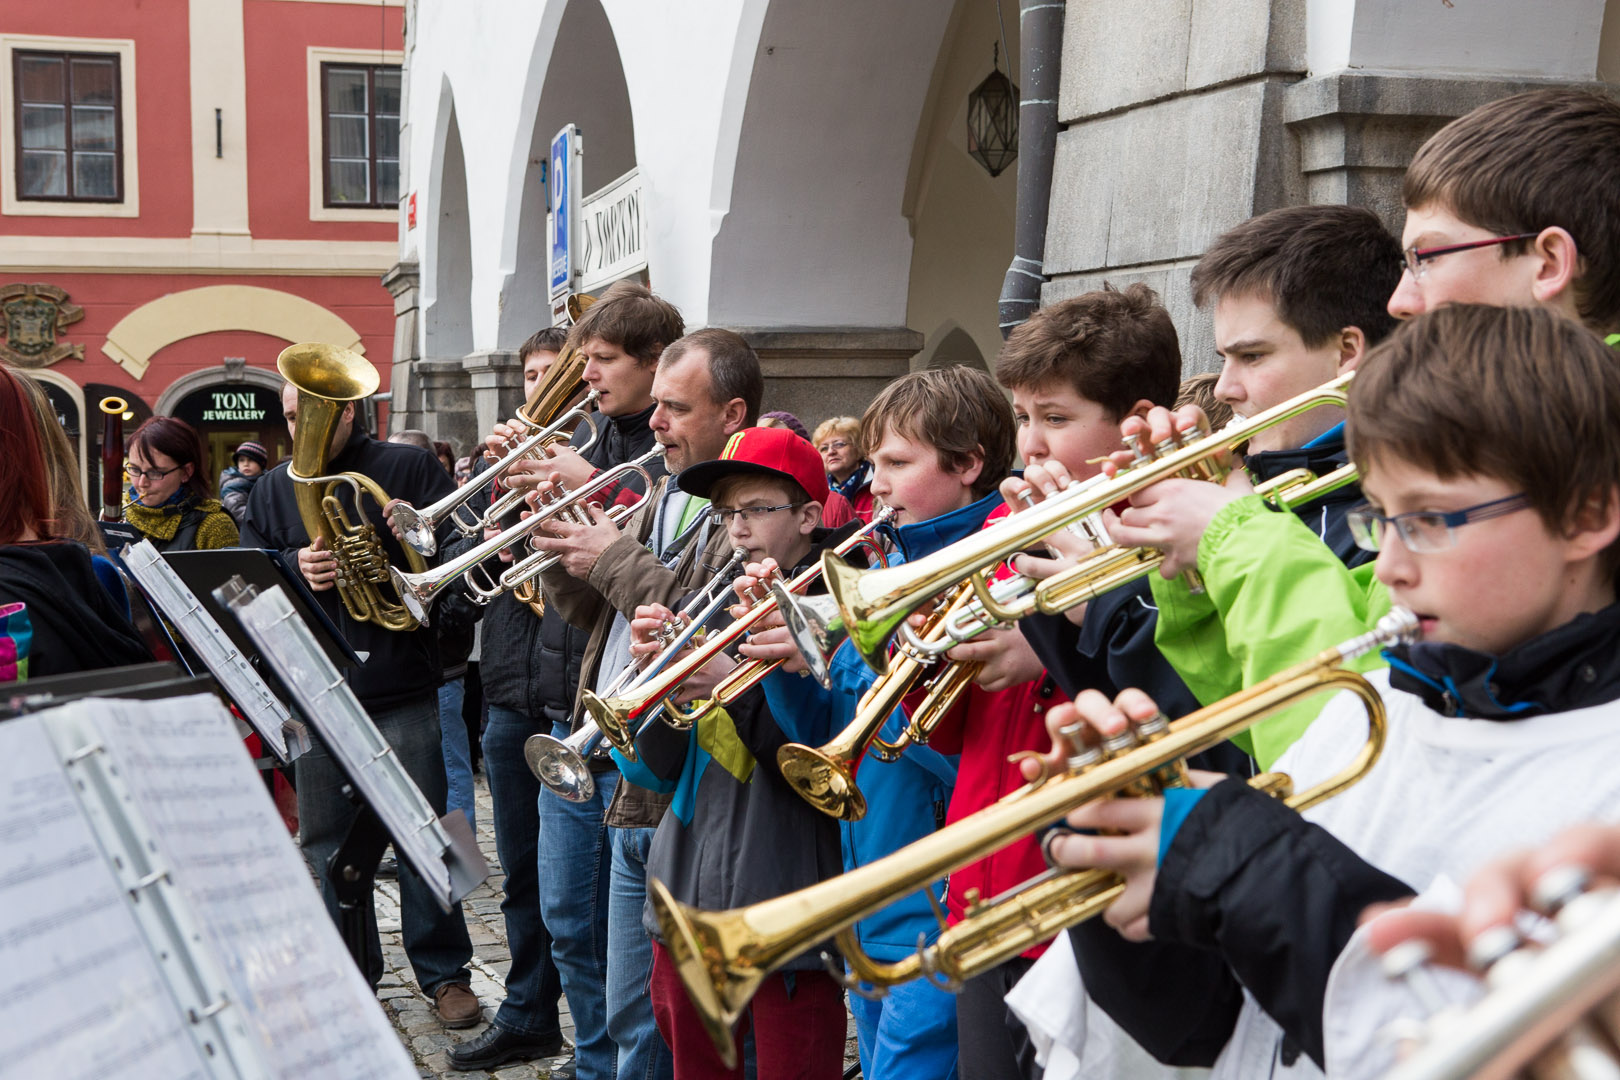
410, 211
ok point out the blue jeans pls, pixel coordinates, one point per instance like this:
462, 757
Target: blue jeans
436, 943
574, 871
910, 1033
457, 751
643, 1054
533, 986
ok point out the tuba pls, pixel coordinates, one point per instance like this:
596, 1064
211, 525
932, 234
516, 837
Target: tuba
327, 378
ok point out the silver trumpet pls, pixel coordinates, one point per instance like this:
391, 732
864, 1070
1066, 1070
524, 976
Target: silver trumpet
418, 591
563, 764
1549, 1012
420, 526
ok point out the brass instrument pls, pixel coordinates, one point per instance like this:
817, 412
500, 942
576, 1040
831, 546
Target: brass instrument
327, 378
824, 776
619, 716
418, 590
722, 957
112, 458
560, 764
1550, 1012
1108, 568
873, 604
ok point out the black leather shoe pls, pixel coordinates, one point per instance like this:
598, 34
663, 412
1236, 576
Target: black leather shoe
497, 1046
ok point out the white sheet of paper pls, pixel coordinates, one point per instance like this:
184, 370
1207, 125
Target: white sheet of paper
81, 997
232, 859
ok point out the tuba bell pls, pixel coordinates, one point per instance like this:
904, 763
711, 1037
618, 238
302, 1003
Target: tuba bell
327, 378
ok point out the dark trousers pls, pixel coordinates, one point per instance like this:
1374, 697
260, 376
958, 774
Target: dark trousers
436, 942
993, 1042
797, 1021
532, 985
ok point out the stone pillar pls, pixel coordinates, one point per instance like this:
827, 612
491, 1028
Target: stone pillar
817, 373
403, 282
1185, 117
496, 379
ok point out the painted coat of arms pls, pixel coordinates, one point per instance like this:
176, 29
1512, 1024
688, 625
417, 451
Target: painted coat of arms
33, 315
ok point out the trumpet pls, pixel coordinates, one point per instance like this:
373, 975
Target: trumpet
560, 764
622, 714
873, 604
824, 776
1108, 568
418, 590
722, 957
1549, 1012
419, 527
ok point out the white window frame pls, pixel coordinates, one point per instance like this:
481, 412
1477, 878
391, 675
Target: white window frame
10, 204
318, 210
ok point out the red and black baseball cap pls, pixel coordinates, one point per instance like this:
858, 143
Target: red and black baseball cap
775, 452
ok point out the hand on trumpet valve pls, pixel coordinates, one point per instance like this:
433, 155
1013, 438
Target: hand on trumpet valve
560, 464
652, 628
1146, 437
393, 526
768, 638
1172, 516
579, 544
1004, 656
1123, 833
318, 565
499, 442
1498, 894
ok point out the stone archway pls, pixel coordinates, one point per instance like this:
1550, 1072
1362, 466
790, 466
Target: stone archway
447, 243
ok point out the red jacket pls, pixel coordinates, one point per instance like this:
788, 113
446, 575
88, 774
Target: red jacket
985, 729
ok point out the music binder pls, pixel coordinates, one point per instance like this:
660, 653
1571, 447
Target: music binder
155, 917
442, 851
284, 736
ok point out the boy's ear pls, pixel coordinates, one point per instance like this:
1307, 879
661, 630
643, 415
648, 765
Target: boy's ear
1142, 407
1596, 527
969, 473
1559, 264
809, 517
1352, 347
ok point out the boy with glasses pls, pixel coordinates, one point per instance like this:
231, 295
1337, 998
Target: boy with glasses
1484, 440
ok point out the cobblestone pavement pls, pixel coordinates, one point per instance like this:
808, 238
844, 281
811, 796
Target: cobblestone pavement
412, 1013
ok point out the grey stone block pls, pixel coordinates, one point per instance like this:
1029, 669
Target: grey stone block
1193, 326
817, 373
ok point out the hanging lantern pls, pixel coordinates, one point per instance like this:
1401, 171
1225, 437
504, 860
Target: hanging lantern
992, 119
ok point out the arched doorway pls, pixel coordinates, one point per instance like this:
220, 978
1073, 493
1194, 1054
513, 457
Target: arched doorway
447, 262
229, 405
582, 83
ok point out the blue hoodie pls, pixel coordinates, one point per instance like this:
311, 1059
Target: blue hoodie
906, 799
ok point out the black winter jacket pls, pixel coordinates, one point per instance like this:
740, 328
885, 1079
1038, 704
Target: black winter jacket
77, 625
399, 667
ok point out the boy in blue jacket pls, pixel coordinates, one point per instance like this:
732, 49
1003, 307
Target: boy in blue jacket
941, 441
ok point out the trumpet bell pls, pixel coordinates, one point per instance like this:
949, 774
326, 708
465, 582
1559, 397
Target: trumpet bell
815, 625
698, 943
417, 530
556, 765
612, 720
417, 598
868, 624
822, 781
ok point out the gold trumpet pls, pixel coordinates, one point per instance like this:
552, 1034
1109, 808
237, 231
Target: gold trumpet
722, 957
824, 776
620, 718
327, 378
873, 604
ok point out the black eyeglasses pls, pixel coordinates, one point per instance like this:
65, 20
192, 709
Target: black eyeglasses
1415, 257
1425, 530
748, 513
136, 473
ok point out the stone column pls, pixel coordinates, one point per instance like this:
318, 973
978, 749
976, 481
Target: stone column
403, 282
817, 373
496, 380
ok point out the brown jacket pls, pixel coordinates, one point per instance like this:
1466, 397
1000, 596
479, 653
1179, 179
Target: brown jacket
626, 576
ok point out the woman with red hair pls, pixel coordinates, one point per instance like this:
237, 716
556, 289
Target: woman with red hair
169, 499
55, 615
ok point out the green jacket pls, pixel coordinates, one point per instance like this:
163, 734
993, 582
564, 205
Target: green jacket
1275, 595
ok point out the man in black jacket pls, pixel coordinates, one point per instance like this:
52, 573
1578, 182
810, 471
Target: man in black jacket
398, 685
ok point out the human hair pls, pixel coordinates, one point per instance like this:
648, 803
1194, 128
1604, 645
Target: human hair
546, 339
413, 437
1518, 394
177, 440
790, 489
847, 426
1112, 346
733, 366
1528, 162
628, 316
445, 452
70, 518
1323, 268
957, 410
1199, 390
27, 505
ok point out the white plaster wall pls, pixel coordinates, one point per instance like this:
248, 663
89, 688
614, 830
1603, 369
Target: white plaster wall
1547, 38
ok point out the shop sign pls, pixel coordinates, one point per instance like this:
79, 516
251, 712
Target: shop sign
613, 232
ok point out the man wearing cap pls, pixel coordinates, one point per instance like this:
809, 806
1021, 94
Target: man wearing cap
736, 832
707, 388
236, 480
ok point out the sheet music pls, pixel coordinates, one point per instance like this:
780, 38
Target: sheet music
81, 995
235, 864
